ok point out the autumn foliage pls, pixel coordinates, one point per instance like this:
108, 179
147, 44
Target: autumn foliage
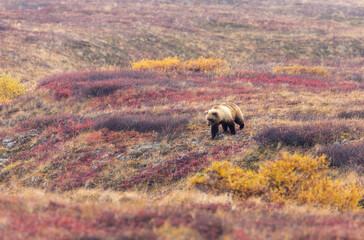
142, 123
10, 87
170, 171
93, 83
295, 69
292, 178
201, 64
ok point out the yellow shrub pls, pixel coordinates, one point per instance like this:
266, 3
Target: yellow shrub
318, 71
224, 177
166, 64
10, 88
304, 179
294, 178
204, 64
176, 64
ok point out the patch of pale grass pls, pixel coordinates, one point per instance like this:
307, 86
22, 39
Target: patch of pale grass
108, 197
193, 196
350, 176
116, 199
81, 196
167, 231
3, 221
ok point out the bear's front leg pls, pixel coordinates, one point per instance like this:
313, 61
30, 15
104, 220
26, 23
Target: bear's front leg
232, 128
225, 127
240, 122
214, 130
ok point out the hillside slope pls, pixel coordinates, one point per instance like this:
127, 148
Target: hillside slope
127, 130
43, 37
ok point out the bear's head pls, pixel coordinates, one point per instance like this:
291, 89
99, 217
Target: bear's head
213, 117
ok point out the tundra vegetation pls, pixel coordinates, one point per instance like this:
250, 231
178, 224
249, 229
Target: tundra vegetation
102, 119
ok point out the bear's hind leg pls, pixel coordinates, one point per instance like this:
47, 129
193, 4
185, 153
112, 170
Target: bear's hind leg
225, 127
232, 128
214, 130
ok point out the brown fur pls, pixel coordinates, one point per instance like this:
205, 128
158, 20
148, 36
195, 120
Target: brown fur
226, 114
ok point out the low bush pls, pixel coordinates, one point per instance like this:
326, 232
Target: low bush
104, 88
142, 123
95, 83
10, 87
205, 64
224, 177
295, 69
201, 64
351, 114
3, 27
293, 178
348, 154
166, 64
322, 132
95, 76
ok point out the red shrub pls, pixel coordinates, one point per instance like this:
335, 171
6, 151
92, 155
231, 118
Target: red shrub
168, 172
117, 138
69, 128
151, 97
94, 83
75, 177
222, 151
76, 169
139, 123
43, 122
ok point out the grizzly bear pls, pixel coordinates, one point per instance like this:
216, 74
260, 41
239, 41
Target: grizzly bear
225, 114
